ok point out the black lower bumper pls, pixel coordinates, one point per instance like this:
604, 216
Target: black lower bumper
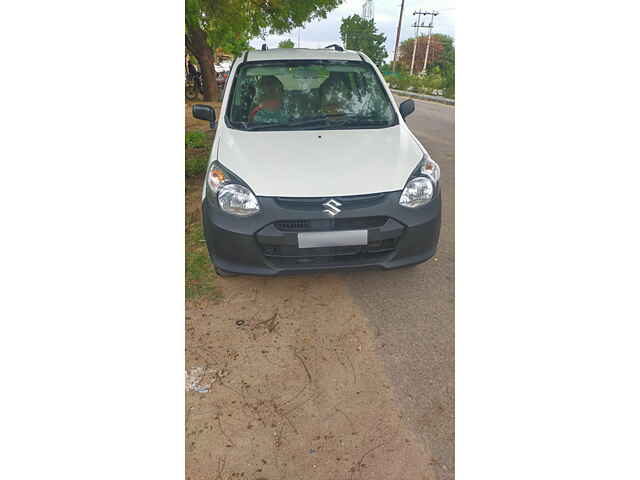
267, 243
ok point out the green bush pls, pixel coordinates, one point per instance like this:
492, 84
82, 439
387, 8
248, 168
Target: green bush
450, 92
426, 84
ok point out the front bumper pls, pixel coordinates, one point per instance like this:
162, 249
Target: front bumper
267, 243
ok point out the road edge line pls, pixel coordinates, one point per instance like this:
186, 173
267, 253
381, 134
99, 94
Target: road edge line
432, 98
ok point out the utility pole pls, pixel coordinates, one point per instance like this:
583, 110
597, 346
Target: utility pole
426, 56
395, 51
417, 26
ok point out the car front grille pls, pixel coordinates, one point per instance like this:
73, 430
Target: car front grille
315, 203
362, 223
279, 242
288, 251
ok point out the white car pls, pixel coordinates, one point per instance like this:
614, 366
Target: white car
314, 168
222, 67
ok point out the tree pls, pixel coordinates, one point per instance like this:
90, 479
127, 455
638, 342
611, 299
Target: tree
230, 24
286, 44
406, 52
446, 61
441, 59
362, 35
447, 56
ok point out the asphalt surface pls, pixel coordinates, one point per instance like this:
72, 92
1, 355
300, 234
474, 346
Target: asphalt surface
412, 310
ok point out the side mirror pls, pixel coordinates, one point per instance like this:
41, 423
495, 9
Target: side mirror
204, 112
406, 108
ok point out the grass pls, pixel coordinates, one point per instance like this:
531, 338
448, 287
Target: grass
197, 148
195, 139
200, 277
195, 165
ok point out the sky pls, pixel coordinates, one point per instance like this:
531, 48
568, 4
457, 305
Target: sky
323, 32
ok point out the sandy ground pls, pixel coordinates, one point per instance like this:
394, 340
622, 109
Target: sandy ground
285, 384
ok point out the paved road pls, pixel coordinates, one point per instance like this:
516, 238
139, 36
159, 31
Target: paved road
412, 310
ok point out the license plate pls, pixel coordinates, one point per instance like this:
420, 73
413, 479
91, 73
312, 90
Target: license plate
342, 238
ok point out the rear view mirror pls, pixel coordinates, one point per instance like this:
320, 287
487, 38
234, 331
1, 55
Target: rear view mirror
204, 112
406, 108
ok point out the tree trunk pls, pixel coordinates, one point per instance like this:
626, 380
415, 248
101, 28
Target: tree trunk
197, 44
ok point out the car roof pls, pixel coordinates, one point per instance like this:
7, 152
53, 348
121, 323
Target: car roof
302, 54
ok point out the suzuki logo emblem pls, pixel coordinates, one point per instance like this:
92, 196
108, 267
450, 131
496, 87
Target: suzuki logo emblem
332, 207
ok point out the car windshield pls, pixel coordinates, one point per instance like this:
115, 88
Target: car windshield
309, 95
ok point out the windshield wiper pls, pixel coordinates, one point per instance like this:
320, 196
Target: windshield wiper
305, 122
360, 120
326, 120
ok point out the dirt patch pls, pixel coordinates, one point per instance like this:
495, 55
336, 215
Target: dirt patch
286, 385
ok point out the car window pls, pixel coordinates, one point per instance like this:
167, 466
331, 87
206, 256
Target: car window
301, 95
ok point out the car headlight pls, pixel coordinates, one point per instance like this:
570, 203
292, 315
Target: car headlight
422, 184
430, 168
238, 200
216, 178
233, 197
418, 191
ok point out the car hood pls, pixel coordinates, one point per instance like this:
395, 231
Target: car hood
320, 163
